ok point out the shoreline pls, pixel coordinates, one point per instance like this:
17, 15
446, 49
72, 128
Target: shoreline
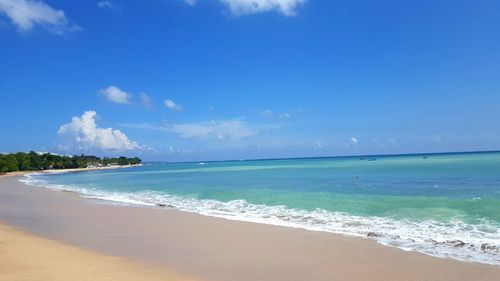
453, 248
72, 170
214, 248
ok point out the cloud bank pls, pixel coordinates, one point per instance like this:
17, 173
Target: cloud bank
25, 14
231, 129
83, 133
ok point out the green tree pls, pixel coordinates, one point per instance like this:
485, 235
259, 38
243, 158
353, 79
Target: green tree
23, 160
122, 161
10, 163
3, 164
35, 161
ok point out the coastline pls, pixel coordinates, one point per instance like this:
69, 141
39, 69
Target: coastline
217, 249
73, 170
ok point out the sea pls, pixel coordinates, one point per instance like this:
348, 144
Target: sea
444, 205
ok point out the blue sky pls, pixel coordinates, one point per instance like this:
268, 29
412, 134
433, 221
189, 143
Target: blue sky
185, 80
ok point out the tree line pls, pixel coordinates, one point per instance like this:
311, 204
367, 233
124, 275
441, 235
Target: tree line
32, 161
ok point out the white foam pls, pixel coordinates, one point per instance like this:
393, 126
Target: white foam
455, 239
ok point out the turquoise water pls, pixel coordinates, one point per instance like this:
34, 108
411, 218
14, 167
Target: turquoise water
446, 205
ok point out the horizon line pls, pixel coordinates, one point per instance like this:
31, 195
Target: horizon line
331, 156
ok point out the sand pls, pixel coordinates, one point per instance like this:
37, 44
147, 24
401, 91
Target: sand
72, 170
208, 248
24, 257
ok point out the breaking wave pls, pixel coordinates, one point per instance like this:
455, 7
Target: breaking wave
454, 239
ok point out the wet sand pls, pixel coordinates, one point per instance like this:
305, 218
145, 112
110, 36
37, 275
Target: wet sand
209, 248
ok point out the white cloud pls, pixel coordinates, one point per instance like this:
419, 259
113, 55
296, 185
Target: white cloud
285, 115
352, 142
437, 138
106, 5
270, 114
266, 113
190, 2
229, 129
84, 133
146, 100
245, 7
318, 144
170, 104
222, 130
385, 143
115, 94
173, 150
25, 14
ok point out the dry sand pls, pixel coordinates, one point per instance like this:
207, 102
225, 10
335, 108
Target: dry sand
24, 257
216, 249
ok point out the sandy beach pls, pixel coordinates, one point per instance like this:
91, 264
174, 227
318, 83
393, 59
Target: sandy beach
27, 257
146, 241
249, 140
73, 170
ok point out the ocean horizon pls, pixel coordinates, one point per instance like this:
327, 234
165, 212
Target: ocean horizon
332, 156
441, 204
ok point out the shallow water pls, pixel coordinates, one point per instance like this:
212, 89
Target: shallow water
446, 205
